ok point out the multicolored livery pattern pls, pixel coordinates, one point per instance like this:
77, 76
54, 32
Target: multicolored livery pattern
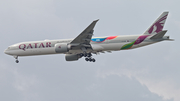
137, 41
100, 40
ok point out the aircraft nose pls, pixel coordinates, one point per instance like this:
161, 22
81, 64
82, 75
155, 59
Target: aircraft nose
5, 51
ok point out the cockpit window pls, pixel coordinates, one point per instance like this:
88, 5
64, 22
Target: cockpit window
8, 47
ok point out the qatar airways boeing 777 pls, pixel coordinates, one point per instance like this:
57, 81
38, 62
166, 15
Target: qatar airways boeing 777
84, 44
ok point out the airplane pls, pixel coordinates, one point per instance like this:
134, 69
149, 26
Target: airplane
84, 45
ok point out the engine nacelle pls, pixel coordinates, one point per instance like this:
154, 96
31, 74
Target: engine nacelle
72, 57
61, 47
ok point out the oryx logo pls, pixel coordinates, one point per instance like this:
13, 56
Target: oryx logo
59, 46
158, 25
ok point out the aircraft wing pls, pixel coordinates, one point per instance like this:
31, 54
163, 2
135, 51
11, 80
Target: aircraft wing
85, 37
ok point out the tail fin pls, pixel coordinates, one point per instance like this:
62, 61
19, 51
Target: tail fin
158, 25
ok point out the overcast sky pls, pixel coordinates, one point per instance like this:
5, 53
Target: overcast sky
150, 73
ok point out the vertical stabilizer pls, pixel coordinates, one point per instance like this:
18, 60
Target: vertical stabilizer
158, 25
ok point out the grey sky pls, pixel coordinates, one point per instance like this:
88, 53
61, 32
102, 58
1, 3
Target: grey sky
149, 73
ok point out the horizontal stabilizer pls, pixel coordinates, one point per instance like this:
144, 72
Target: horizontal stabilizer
159, 35
171, 40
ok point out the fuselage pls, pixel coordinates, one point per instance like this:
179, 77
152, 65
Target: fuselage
98, 44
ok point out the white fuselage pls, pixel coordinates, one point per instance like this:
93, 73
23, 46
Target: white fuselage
101, 44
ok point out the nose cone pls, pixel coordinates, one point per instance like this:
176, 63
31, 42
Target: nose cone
6, 52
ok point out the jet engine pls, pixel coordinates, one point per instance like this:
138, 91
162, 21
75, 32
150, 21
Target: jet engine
72, 57
62, 47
